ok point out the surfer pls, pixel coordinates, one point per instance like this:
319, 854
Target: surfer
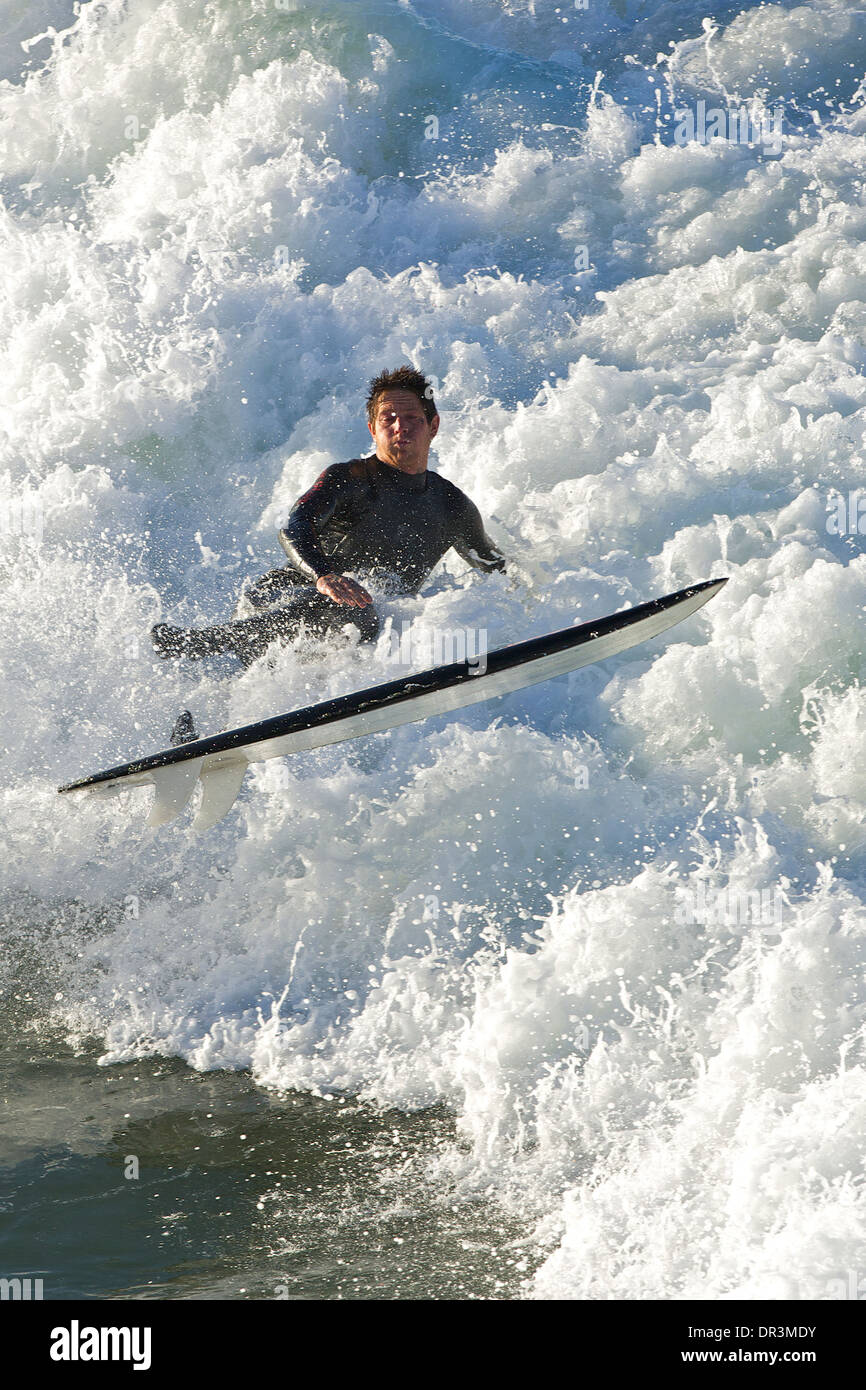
386, 517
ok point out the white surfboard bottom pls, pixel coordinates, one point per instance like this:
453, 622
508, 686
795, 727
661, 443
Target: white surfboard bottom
221, 775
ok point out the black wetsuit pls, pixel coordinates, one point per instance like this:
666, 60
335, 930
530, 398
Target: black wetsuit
362, 517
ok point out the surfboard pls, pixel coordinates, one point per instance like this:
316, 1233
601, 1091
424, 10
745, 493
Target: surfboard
218, 763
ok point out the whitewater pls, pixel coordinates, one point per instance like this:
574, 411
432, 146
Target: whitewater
593, 953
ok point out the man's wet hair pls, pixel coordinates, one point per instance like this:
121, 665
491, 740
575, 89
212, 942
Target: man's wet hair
401, 379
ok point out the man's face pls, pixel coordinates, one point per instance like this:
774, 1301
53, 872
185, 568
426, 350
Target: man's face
401, 431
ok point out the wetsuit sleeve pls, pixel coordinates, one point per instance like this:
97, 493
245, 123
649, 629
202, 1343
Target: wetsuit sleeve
300, 535
472, 542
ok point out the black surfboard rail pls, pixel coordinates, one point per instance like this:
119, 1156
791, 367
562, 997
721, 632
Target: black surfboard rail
395, 692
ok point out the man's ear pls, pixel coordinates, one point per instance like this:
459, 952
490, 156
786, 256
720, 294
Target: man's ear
370, 428
434, 427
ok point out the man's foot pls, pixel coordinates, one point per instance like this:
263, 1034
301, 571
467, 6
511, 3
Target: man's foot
184, 730
168, 641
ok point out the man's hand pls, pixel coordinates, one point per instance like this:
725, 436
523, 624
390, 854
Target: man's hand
342, 589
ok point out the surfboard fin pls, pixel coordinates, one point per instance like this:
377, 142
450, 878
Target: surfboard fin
175, 785
219, 790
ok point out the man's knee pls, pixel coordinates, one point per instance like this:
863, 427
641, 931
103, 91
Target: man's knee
278, 586
326, 615
367, 622
318, 614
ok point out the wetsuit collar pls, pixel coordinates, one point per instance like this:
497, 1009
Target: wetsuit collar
406, 482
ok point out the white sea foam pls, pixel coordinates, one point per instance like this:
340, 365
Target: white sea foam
209, 249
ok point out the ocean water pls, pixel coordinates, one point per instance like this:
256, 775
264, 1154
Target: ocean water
562, 997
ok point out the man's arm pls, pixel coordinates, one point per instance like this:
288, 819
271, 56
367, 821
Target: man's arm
473, 543
300, 535
300, 538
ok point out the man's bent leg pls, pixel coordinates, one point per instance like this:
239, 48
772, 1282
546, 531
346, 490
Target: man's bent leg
278, 586
317, 613
248, 638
